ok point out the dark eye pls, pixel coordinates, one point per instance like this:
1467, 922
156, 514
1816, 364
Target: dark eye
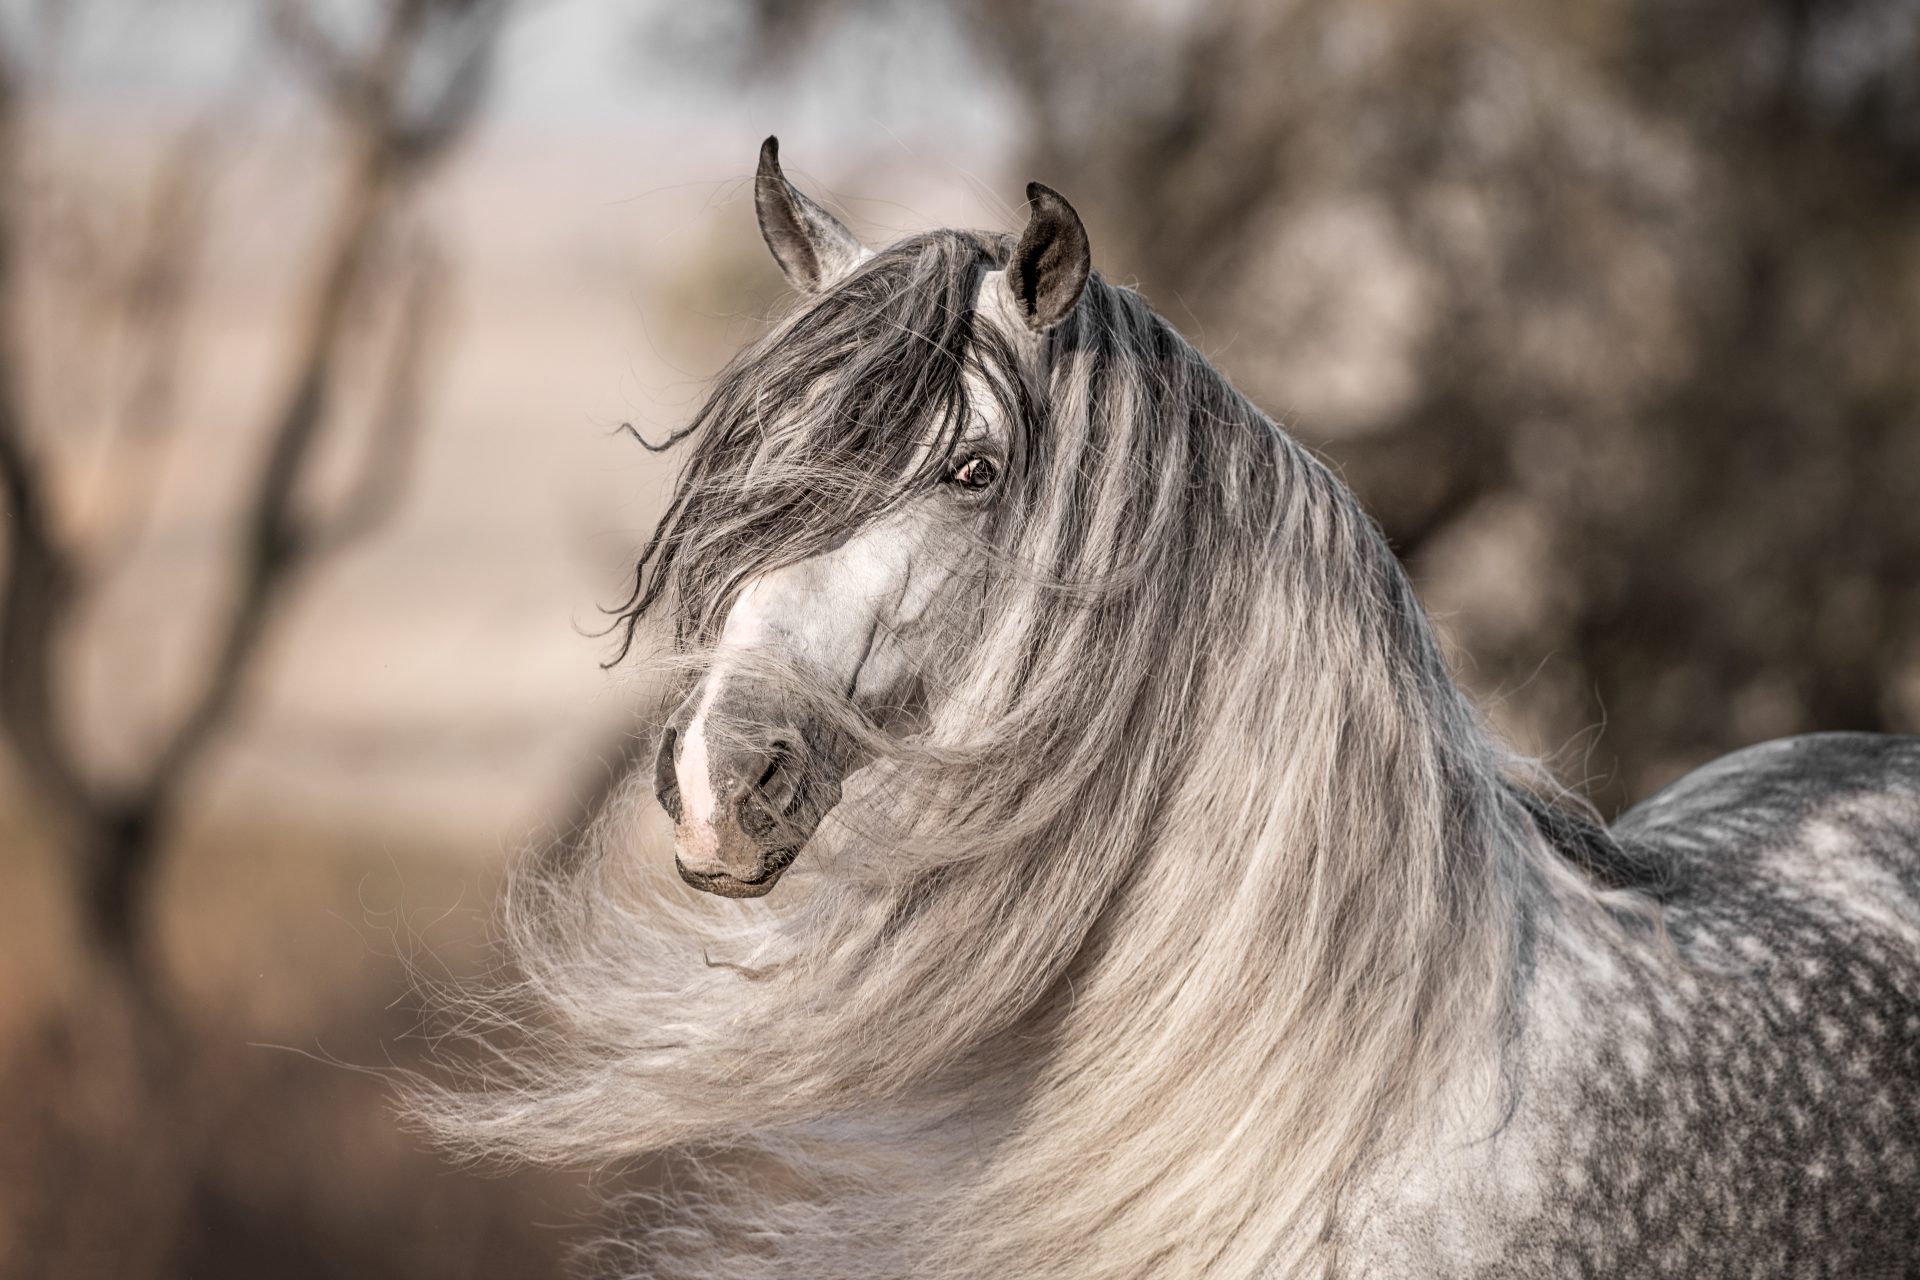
974, 473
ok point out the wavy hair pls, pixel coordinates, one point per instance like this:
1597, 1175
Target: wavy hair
1197, 885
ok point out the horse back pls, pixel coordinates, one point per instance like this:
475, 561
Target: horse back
1805, 810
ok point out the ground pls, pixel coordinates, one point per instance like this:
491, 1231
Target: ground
244, 1147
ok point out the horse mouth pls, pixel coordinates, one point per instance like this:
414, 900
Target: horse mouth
773, 865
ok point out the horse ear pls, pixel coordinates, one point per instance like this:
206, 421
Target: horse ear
1052, 261
813, 249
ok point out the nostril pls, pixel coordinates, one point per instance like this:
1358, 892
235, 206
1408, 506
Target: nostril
780, 786
777, 756
666, 780
776, 794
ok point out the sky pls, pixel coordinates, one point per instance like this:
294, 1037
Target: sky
567, 63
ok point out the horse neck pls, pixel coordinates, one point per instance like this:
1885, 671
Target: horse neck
1317, 943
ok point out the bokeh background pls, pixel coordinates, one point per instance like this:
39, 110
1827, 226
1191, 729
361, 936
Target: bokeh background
319, 319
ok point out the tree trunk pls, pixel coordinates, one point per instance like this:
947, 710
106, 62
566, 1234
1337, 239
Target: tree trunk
119, 853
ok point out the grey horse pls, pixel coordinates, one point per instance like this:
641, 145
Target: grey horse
1151, 900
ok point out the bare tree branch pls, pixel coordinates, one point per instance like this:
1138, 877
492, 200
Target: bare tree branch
474, 29
394, 436
341, 78
278, 543
40, 580
400, 101
151, 319
274, 541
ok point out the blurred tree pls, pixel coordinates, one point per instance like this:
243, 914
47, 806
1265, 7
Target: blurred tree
401, 88
1609, 312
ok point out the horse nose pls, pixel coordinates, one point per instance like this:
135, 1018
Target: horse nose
745, 793
727, 801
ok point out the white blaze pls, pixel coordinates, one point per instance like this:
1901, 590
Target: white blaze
693, 771
695, 776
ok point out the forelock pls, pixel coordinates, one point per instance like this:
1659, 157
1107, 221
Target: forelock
824, 424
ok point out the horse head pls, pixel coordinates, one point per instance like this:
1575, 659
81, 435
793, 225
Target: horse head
871, 542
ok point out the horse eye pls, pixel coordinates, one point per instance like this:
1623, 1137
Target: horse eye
975, 473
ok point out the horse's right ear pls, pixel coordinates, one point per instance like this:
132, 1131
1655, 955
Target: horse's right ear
1052, 261
812, 247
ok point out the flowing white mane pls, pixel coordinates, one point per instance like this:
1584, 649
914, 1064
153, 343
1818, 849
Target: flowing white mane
1200, 881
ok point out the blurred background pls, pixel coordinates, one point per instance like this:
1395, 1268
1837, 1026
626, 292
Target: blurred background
319, 318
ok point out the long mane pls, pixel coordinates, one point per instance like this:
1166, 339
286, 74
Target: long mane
1200, 883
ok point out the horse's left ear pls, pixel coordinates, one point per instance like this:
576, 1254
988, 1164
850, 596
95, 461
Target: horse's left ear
812, 247
1051, 263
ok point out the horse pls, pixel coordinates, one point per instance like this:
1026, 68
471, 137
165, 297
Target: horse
1156, 904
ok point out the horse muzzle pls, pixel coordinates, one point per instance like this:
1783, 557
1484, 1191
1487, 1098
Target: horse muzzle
743, 802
